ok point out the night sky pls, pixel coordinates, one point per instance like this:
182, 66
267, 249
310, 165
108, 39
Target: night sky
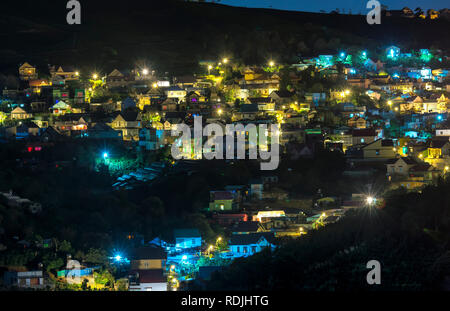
356, 6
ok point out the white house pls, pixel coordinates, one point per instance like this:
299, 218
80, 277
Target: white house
243, 245
148, 280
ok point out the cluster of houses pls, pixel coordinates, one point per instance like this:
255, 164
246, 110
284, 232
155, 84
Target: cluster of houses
404, 132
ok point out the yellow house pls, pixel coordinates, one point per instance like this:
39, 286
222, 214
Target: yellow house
148, 258
27, 72
380, 149
221, 201
438, 148
20, 114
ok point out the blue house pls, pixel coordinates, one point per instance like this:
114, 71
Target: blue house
187, 238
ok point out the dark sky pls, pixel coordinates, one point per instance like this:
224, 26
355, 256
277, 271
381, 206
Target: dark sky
356, 6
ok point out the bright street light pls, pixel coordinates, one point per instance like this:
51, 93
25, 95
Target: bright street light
271, 63
370, 200
95, 76
145, 72
105, 155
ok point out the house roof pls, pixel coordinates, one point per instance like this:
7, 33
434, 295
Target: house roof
257, 100
438, 143
249, 108
61, 105
222, 195
148, 253
363, 132
246, 226
186, 233
283, 94
251, 238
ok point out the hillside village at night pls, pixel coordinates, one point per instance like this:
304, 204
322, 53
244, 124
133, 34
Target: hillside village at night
92, 199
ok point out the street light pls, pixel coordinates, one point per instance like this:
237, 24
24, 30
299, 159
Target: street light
370, 200
105, 155
271, 63
145, 72
209, 69
389, 102
95, 76
219, 111
225, 60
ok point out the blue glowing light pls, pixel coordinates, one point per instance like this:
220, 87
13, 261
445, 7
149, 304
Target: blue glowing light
118, 258
184, 257
439, 117
105, 155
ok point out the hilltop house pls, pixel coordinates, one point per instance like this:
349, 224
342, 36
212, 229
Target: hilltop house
67, 73
27, 72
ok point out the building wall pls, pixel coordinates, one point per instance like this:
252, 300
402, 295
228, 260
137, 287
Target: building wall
146, 264
154, 287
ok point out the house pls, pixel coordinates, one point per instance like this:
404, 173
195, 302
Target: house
148, 258
20, 114
60, 108
27, 72
103, 131
244, 245
127, 103
187, 238
438, 148
23, 130
363, 136
263, 103
248, 112
67, 73
282, 97
246, 227
176, 93
357, 122
116, 79
147, 280
130, 123
229, 219
25, 279
400, 166
195, 97
379, 149
170, 104
221, 201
